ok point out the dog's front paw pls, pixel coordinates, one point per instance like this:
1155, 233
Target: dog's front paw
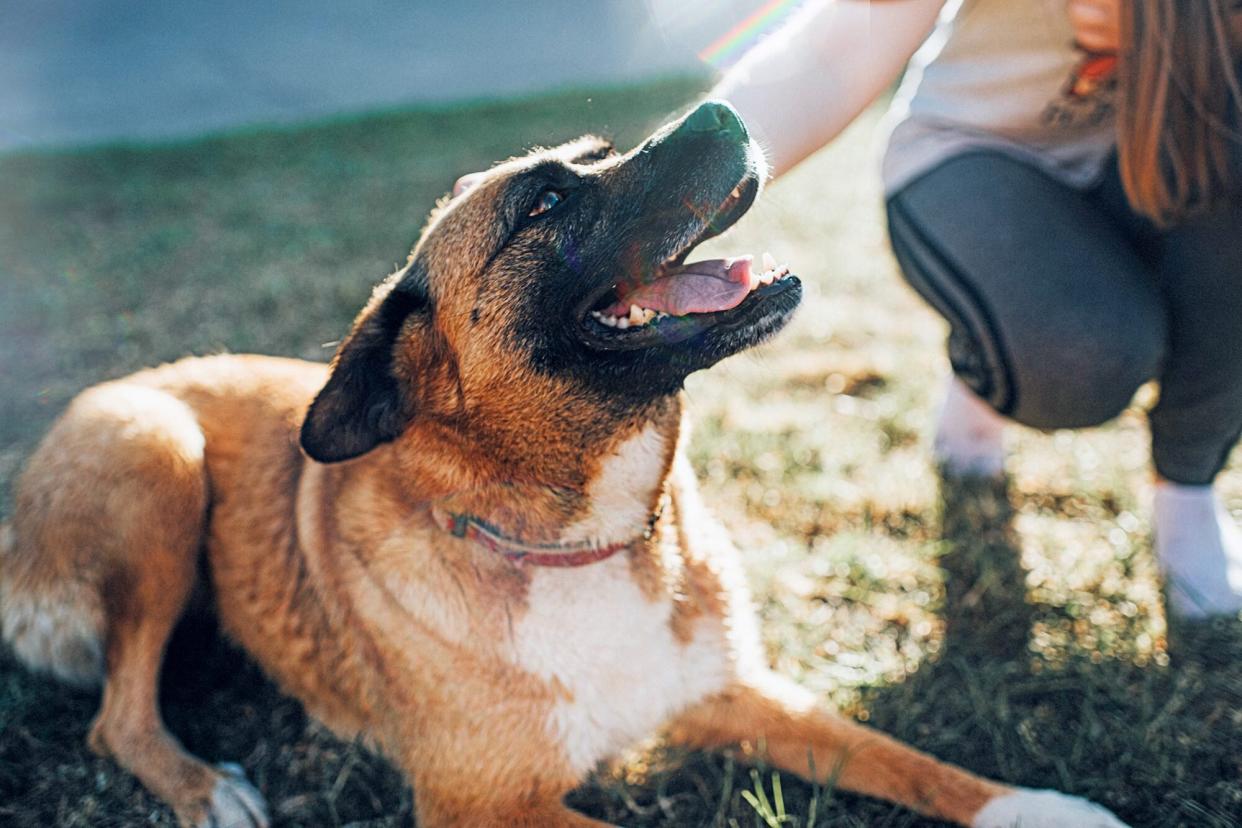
235, 803
1026, 808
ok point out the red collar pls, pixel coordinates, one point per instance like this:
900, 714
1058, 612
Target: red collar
472, 528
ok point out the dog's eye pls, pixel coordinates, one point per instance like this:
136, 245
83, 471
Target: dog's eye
546, 201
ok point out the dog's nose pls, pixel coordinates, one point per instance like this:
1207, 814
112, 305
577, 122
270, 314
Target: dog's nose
717, 116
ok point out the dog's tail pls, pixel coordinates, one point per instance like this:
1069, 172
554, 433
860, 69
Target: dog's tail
56, 629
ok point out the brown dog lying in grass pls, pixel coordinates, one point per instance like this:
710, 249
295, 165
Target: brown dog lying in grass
487, 556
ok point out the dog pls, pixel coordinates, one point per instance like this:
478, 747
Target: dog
473, 539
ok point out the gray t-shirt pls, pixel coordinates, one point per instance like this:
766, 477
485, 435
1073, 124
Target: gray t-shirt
1003, 75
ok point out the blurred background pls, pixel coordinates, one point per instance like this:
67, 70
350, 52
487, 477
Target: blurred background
86, 71
189, 178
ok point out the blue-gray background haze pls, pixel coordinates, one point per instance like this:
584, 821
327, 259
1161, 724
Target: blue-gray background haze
89, 71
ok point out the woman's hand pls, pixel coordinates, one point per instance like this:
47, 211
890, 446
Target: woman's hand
1097, 24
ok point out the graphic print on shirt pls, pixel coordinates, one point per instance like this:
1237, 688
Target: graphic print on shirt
1088, 97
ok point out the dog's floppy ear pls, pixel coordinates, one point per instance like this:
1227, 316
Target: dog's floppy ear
363, 404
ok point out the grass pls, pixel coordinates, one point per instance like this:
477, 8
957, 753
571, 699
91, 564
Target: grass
1017, 631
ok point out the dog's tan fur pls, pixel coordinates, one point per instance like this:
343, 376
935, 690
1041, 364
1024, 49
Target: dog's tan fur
494, 686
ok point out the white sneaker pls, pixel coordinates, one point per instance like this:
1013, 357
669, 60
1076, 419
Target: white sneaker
1199, 548
969, 434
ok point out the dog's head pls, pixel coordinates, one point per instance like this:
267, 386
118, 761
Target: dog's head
556, 289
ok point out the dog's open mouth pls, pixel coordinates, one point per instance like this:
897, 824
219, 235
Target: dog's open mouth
678, 300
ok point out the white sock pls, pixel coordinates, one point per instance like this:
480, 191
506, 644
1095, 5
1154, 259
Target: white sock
1026, 808
969, 434
1199, 548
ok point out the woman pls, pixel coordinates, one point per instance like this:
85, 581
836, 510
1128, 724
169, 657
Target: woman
1063, 185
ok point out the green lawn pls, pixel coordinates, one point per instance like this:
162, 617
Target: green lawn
1018, 632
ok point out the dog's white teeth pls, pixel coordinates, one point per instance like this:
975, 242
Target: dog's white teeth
636, 318
772, 271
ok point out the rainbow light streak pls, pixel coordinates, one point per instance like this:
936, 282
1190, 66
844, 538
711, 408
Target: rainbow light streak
746, 32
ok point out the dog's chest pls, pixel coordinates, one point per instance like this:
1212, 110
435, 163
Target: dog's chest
609, 649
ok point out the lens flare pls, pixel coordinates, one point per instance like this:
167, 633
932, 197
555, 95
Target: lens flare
730, 45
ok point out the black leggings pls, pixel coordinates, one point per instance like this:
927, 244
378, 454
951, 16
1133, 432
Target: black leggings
1061, 303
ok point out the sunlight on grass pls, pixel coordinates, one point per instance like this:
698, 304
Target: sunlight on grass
1016, 631
825, 432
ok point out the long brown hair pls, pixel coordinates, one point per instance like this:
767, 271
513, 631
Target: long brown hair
1178, 104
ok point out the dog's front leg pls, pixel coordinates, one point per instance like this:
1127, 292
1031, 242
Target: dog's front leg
794, 733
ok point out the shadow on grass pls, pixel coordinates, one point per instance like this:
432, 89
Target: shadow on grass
985, 610
1158, 744
1146, 741
947, 707
1104, 727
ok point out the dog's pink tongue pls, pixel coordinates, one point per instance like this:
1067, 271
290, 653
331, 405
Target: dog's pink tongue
699, 287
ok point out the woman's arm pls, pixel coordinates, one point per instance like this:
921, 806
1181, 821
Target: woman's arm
804, 84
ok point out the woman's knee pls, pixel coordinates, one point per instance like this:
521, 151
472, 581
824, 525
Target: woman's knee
1076, 377
1076, 369
1056, 321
